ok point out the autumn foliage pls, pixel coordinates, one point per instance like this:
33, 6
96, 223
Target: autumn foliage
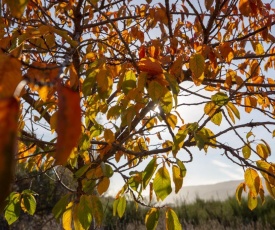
99, 87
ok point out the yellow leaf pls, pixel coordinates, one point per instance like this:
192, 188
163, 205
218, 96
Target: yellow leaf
68, 123
9, 109
196, 65
259, 49
43, 93
177, 178
67, 217
252, 181
262, 151
172, 120
239, 191
17, 7
103, 185
10, 75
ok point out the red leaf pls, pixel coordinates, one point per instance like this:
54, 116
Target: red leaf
9, 109
68, 123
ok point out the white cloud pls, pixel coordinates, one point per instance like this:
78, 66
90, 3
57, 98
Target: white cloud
220, 164
232, 175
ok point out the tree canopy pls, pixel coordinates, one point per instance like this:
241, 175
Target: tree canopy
103, 87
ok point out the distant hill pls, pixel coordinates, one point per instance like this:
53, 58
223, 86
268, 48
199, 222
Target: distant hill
219, 191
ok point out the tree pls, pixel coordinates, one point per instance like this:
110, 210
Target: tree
114, 80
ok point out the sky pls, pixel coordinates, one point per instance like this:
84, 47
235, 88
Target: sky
206, 168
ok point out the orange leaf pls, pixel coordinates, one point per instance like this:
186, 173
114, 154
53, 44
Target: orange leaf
244, 7
103, 185
10, 75
68, 122
226, 51
9, 109
150, 65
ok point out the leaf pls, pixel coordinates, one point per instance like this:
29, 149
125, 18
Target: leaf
103, 185
9, 110
172, 120
156, 90
179, 139
84, 211
233, 109
244, 7
67, 217
250, 103
121, 206
196, 65
28, 203
10, 75
68, 123
17, 7
171, 220
60, 206
166, 102
246, 150
162, 183
217, 118
97, 210
239, 191
151, 219
252, 201
226, 51
12, 210
150, 66
53, 122
149, 172
208, 4
262, 151
109, 136
129, 81
177, 178
220, 99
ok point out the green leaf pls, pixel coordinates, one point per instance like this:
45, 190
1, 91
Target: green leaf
172, 220
121, 206
220, 99
156, 90
182, 168
166, 102
97, 209
129, 82
246, 150
179, 139
85, 211
115, 204
162, 183
28, 203
149, 172
107, 170
152, 218
60, 206
80, 172
12, 210
89, 82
